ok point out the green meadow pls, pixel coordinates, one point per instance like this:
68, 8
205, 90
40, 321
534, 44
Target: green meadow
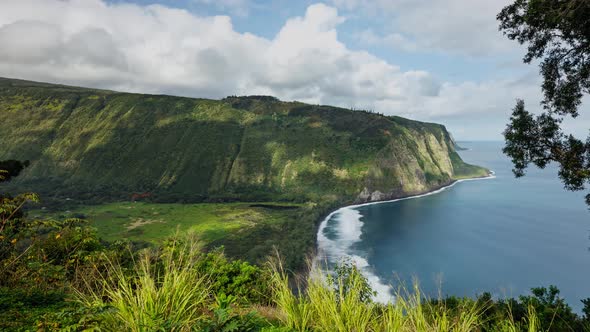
152, 222
246, 230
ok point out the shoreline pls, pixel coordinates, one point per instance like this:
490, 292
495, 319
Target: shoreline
433, 191
342, 246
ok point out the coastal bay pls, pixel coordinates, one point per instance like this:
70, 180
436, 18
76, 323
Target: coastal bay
469, 238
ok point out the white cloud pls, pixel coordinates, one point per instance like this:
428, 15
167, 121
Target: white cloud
450, 26
156, 49
159, 49
393, 40
236, 7
138, 48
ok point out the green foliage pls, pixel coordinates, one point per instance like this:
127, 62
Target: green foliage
178, 287
346, 278
11, 168
224, 318
586, 309
24, 309
12, 223
38, 259
41, 253
343, 305
296, 309
234, 279
46, 254
163, 291
248, 231
557, 32
551, 310
327, 307
543, 310
143, 221
253, 148
255, 244
539, 140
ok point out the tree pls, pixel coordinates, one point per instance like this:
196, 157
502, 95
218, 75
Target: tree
11, 168
557, 32
348, 280
10, 207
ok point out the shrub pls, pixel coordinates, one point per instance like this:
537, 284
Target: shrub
347, 279
245, 282
341, 303
163, 292
224, 317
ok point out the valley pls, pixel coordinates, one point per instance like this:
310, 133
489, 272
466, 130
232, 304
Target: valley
199, 164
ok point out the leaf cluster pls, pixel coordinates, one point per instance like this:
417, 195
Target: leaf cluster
558, 33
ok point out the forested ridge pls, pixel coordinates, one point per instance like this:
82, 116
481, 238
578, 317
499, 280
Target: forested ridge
96, 144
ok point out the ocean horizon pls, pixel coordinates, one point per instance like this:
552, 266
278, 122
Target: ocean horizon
500, 235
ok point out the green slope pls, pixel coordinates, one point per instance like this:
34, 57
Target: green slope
96, 144
91, 146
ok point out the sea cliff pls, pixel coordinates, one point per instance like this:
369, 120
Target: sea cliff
101, 144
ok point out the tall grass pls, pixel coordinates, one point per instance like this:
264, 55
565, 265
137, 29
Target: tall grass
325, 306
165, 291
532, 323
162, 292
295, 309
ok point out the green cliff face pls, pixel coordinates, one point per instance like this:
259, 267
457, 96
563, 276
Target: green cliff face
94, 143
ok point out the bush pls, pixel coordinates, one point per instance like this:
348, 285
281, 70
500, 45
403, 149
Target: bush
240, 280
340, 303
225, 318
163, 292
346, 279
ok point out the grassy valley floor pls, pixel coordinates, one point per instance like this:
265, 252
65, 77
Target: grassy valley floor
246, 230
153, 222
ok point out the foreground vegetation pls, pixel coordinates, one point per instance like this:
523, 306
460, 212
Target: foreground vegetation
93, 152
177, 287
59, 275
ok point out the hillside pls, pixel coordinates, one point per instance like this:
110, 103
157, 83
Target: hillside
103, 145
286, 165
90, 149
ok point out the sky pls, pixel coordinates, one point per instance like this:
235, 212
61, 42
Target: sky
431, 60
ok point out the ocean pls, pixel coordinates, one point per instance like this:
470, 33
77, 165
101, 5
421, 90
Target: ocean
501, 235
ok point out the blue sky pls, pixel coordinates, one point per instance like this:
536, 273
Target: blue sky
266, 17
430, 60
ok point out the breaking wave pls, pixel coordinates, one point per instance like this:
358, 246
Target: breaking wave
342, 229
